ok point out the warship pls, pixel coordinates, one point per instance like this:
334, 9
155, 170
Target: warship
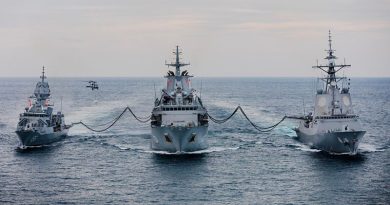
93, 85
37, 124
333, 127
179, 121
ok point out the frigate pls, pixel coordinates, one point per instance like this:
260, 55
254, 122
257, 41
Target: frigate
179, 121
333, 127
37, 124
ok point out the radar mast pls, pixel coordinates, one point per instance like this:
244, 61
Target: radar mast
43, 74
177, 64
331, 68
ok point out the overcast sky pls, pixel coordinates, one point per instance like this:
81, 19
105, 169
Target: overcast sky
219, 38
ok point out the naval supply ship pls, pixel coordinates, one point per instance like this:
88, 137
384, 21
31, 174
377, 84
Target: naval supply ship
37, 124
333, 127
179, 121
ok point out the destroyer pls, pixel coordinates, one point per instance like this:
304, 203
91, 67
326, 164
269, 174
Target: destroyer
333, 127
38, 125
179, 120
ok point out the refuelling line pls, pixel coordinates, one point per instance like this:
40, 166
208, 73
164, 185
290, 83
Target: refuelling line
239, 108
148, 118
114, 121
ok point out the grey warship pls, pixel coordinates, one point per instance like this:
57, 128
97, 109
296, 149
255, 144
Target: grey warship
37, 124
179, 121
333, 127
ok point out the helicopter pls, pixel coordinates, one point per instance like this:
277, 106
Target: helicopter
93, 85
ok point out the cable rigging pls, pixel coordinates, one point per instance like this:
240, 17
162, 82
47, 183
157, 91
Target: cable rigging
114, 121
148, 118
239, 108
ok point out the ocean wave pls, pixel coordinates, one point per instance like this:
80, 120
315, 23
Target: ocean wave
224, 104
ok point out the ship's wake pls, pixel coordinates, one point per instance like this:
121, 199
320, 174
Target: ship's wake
367, 148
22, 148
303, 147
205, 151
143, 149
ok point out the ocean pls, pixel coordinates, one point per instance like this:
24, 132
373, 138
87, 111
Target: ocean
241, 166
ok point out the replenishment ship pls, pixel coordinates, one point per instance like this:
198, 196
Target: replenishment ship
179, 119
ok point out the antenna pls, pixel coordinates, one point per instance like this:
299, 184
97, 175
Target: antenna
330, 41
61, 105
177, 64
303, 103
43, 74
155, 95
201, 85
331, 68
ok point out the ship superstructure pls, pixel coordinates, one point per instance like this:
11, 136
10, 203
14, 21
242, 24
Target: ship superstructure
179, 120
333, 127
38, 125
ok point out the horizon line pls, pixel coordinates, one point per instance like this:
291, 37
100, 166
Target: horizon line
196, 76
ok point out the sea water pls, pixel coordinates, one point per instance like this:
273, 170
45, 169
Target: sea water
241, 166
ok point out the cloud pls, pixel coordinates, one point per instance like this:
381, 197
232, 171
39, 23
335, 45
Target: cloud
91, 35
313, 25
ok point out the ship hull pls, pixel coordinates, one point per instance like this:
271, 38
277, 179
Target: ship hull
333, 142
33, 138
179, 139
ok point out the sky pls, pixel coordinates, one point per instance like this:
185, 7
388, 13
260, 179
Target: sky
225, 38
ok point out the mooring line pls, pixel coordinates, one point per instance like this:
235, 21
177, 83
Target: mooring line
258, 128
113, 122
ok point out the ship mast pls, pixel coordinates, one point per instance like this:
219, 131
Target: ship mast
42, 91
177, 64
43, 74
331, 69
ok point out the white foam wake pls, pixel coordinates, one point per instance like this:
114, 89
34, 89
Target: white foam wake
205, 151
363, 147
305, 148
